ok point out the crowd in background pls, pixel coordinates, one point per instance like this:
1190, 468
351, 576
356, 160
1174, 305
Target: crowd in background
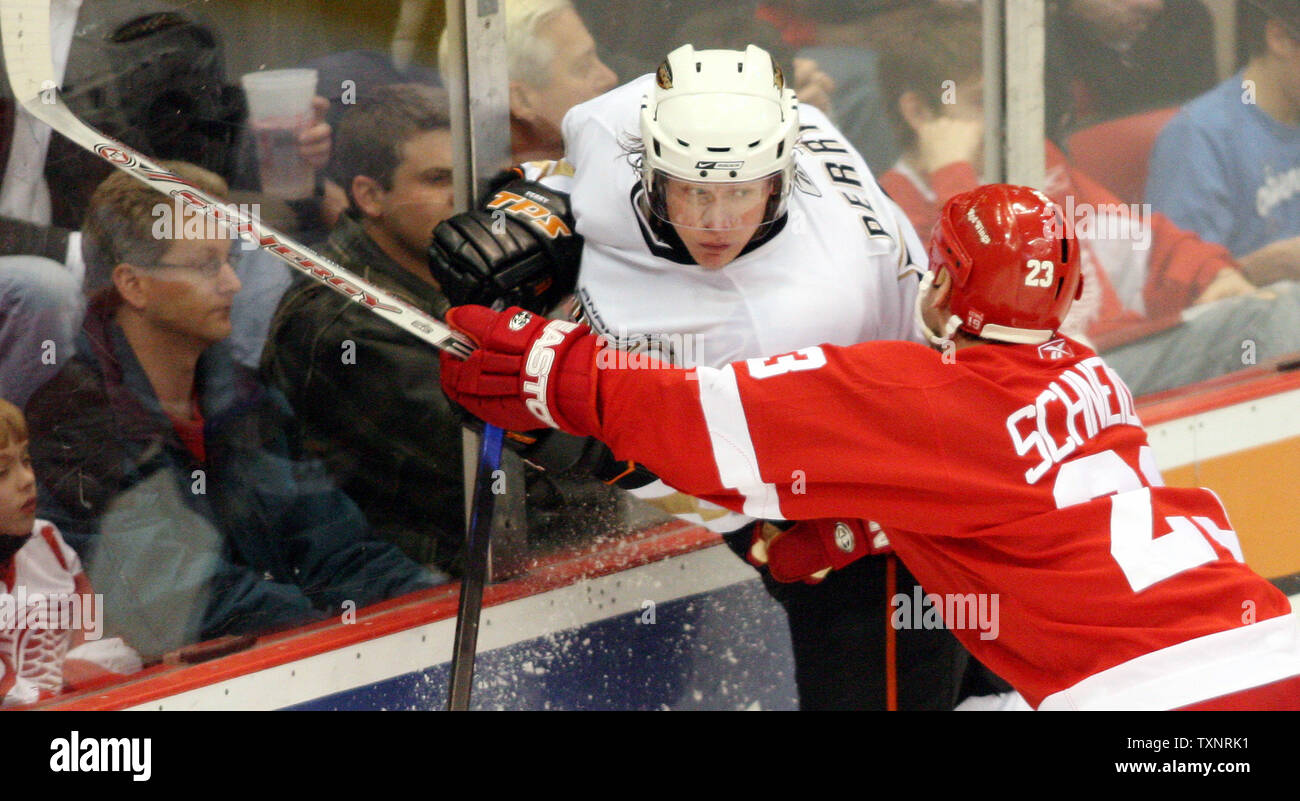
230, 449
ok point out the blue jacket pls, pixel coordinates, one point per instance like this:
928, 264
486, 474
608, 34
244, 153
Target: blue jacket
253, 538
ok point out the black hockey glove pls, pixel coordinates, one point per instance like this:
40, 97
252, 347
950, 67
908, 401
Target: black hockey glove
519, 250
578, 457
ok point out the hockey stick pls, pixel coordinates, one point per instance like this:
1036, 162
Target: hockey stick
477, 541
476, 145
25, 27
25, 31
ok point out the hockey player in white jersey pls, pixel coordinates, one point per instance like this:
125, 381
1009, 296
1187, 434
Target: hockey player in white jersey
722, 220
712, 204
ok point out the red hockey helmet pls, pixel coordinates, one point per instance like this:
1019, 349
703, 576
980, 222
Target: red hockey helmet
1013, 260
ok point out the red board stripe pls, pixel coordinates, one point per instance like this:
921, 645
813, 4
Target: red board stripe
161, 681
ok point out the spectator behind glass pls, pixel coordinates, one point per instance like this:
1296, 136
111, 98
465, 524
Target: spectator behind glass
1112, 58
365, 391
841, 39
40, 311
553, 66
176, 476
1228, 165
1138, 267
150, 75
54, 642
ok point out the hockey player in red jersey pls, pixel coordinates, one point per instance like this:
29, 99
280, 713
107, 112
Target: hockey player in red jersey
1006, 463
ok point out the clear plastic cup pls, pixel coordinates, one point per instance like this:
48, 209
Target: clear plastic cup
279, 109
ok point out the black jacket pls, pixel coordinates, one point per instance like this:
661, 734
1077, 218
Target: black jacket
368, 397
371, 405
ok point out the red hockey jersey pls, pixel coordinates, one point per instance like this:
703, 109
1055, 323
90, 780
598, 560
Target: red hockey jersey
1013, 473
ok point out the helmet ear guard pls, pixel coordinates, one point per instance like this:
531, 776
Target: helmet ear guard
1014, 264
944, 335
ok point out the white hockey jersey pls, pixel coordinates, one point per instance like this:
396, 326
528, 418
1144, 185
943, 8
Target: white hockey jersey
47, 616
843, 267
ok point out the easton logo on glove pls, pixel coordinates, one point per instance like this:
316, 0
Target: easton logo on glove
541, 357
525, 372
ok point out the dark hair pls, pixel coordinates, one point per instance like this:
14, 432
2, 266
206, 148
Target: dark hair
1252, 24
371, 135
920, 49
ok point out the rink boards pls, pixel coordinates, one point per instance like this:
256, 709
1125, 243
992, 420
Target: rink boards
671, 619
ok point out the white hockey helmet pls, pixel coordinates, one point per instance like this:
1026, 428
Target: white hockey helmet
719, 117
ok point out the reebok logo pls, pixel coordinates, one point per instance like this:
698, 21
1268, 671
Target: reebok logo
1056, 349
102, 755
719, 165
979, 226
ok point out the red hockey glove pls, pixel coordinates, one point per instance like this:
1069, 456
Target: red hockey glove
528, 371
810, 550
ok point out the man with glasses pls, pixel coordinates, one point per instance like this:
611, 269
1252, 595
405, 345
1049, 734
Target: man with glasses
175, 474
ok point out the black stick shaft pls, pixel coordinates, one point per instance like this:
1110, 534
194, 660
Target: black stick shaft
477, 545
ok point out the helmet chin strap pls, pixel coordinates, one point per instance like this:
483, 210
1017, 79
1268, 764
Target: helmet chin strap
954, 322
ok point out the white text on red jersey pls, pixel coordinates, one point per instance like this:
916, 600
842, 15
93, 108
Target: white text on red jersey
1085, 399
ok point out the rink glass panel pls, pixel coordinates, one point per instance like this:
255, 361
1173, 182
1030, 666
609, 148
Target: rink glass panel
632, 36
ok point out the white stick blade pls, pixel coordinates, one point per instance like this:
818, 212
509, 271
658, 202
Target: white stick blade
25, 26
